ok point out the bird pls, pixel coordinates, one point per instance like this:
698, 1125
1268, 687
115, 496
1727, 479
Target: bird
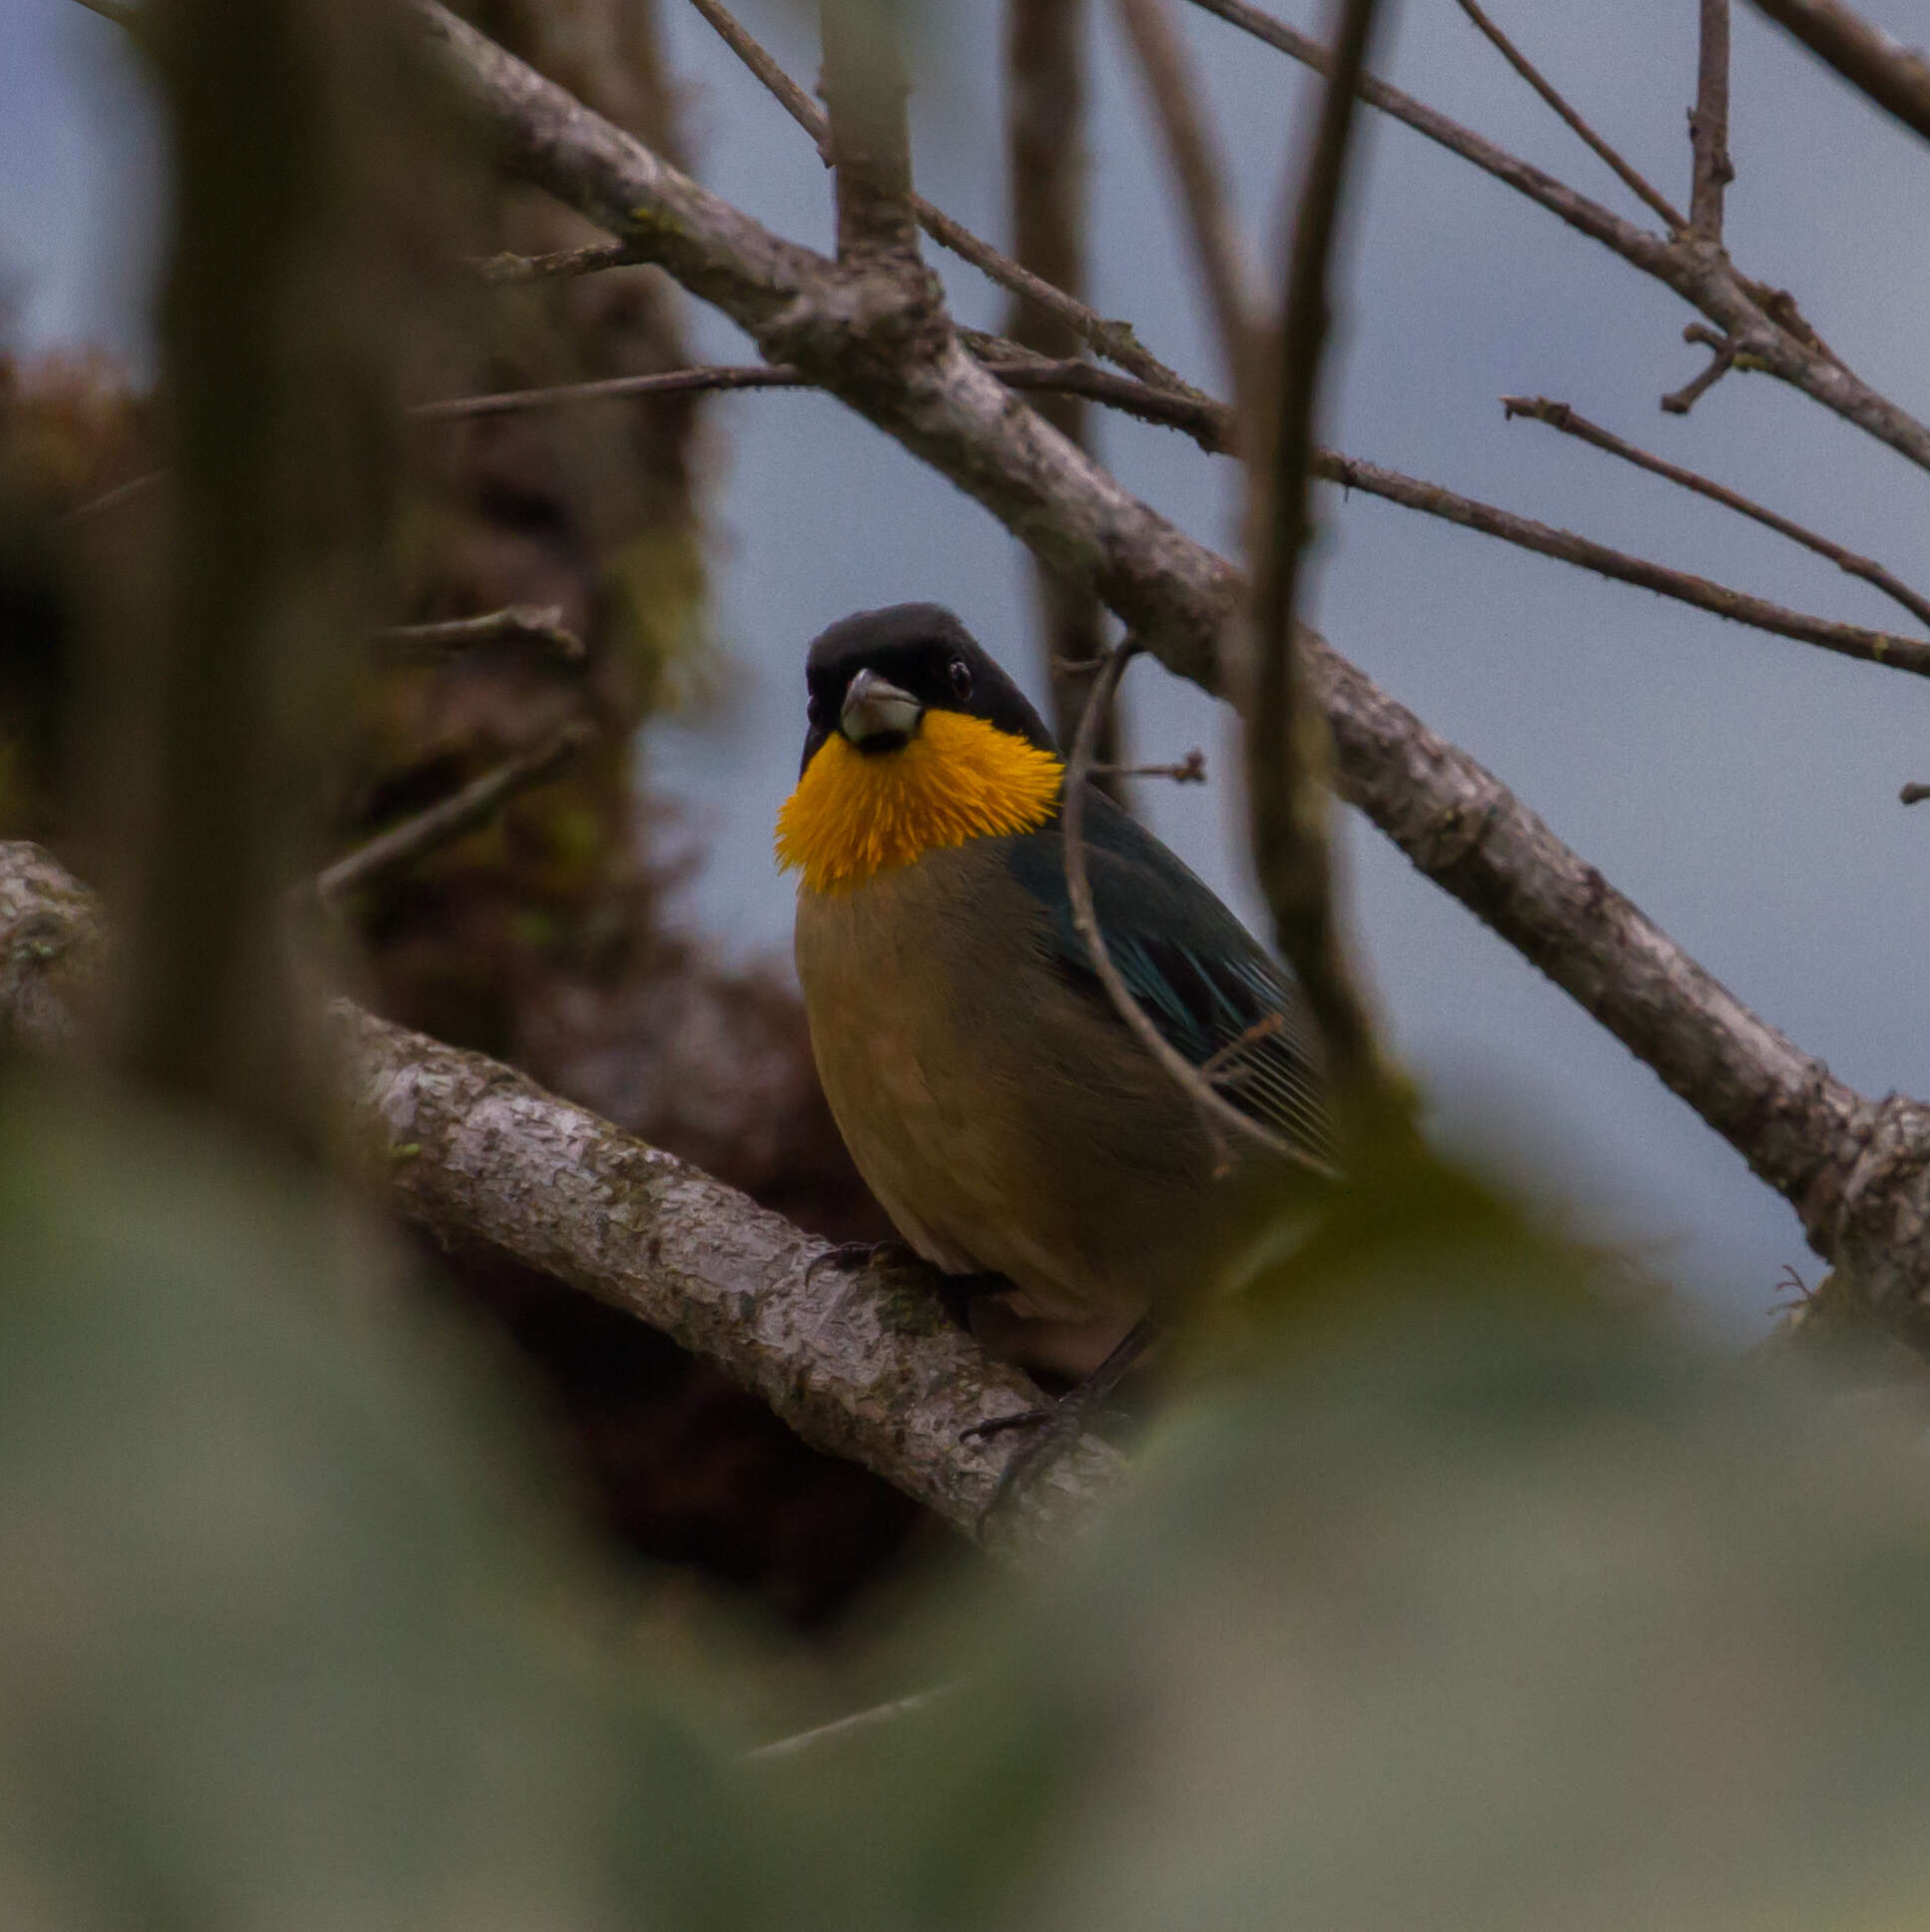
1018, 1134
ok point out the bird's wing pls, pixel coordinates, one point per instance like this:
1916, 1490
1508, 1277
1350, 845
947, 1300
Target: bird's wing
1201, 976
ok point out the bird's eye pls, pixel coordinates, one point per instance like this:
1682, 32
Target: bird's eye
959, 672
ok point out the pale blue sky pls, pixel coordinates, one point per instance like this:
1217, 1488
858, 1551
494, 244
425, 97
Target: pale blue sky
1740, 788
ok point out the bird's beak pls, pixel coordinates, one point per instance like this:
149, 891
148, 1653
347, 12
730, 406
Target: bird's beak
877, 710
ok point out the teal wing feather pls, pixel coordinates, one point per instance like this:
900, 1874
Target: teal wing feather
1202, 978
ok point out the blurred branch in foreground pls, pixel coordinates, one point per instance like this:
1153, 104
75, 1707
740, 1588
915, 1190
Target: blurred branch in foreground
864, 1365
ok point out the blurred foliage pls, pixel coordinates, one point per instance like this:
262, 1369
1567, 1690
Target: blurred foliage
1479, 1600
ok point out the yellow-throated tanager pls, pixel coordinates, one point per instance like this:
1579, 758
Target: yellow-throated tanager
989, 1090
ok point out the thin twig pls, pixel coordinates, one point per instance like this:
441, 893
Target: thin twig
514, 622
428, 831
1637, 184
1217, 1113
506, 269
1113, 339
777, 83
113, 498
1895, 77
1708, 124
1768, 327
613, 389
1678, 403
1047, 171
856, 1724
1166, 69
1190, 770
1210, 423
1559, 416
1288, 753
1914, 794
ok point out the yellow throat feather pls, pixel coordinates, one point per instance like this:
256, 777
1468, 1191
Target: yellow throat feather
955, 779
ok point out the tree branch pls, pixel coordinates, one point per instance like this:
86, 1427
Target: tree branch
863, 1365
1113, 339
1288, 751
1895, 77
1708, 124
506, 270
1167, 70
1559, 416
865, 86
1764, 325
1216, 1111
537, 624
1637, 184
447, 820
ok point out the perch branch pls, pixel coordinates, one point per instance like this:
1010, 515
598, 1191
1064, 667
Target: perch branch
506, 269
861, 1365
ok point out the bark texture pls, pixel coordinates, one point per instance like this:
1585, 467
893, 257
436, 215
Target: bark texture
862, 1364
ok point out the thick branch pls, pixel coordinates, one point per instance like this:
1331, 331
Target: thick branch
1892, 74
863, 1365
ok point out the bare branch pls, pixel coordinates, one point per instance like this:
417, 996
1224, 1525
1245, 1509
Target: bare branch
780, 87
1892, 74
785, 1749
1190, 770
506, 269
1678, 403
612, 388
1166, 69
1218, 1114
1637, 184
1708, 124
1045, 172
1288, 752
443, 823
1914, 794
1113, 339
1765, 327
865, 86
1559, 416
861, 1365
1210, 423
514, 622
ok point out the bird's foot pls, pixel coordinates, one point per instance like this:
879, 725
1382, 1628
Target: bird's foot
1064, 1422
